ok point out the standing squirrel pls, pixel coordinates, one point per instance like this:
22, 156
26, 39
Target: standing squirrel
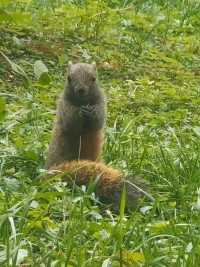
78, 130
77, 140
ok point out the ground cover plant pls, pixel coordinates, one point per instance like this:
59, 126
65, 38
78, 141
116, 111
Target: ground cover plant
148, 57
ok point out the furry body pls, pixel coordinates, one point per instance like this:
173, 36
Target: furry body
78, 130
77, 140
108, 182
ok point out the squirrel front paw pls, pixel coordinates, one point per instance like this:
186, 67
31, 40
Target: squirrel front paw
87, 111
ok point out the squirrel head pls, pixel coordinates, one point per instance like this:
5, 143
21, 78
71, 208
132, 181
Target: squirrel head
81, 80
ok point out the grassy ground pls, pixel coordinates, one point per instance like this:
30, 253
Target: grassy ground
148, 56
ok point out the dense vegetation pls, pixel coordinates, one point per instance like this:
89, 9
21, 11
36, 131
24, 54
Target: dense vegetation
148, 57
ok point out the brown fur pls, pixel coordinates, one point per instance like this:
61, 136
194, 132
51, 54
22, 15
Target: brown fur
77, 140
109, 182
78, 130
91, 144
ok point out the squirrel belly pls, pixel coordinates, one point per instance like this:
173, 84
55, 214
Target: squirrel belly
68, 147
90, 145
109, 182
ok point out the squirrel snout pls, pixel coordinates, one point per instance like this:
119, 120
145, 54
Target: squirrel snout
82, 92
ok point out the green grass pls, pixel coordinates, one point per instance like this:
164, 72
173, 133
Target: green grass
148, 57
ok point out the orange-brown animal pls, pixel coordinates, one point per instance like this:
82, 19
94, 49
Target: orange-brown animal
108, 182
81, 112
77, 140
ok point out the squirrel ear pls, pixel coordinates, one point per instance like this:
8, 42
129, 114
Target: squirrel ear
69, 71
69, 66
94, 66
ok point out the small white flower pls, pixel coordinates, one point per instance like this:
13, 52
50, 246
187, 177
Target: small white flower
197, 204
189, 247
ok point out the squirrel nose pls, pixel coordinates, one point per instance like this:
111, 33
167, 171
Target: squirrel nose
81, 92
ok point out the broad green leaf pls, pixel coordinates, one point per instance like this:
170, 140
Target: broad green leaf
39, 68
41, 72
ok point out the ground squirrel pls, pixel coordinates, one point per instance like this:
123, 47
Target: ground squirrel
77, 140
80, 117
